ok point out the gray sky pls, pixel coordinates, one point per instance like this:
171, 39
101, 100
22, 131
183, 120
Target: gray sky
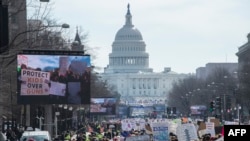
181, 34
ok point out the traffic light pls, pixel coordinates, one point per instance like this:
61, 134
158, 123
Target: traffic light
218, 103
228, 103
168, 110
212, 106
174, 110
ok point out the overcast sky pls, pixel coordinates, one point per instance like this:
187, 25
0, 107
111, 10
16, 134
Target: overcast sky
181, 34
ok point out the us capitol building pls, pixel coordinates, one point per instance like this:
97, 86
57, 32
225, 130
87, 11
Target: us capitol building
129, 73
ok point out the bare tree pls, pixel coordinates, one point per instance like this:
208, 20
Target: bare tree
193, 91
181, 93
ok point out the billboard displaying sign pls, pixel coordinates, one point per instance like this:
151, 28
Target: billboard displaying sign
198, 109
105, 106
139, 111
53, 79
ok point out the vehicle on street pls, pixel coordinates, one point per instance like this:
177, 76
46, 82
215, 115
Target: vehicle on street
36, 136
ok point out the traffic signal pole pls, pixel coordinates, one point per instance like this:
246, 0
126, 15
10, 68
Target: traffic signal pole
212, 107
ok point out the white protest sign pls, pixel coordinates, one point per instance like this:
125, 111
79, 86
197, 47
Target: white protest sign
34, 82
187, 132
138, 138
57, 88
160, 131
126, 125
142, 123
172, 127
230, 123
210, 128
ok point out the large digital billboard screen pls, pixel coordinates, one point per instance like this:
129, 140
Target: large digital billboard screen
106, 106
53, 79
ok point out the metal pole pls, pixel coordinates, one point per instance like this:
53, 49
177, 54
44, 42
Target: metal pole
238, 113
224, 107
56, 125
40, 123
11, 106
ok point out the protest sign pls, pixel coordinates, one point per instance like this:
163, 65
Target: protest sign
34, 82
160, 131
138, 138
57, 88
210, 128
187, 132
216, 122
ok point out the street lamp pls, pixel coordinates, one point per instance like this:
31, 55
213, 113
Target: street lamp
238, 112
64, 25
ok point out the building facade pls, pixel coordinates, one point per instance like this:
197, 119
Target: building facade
128, 71
204, 72
244, 77
13, 26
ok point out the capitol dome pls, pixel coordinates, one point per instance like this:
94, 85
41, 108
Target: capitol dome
128, 50
128, 31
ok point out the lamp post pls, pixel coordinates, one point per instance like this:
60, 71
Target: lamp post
64, 25
238, 112
40, 122
56, 126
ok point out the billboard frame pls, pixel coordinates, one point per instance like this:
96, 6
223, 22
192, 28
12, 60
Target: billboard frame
58, 53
